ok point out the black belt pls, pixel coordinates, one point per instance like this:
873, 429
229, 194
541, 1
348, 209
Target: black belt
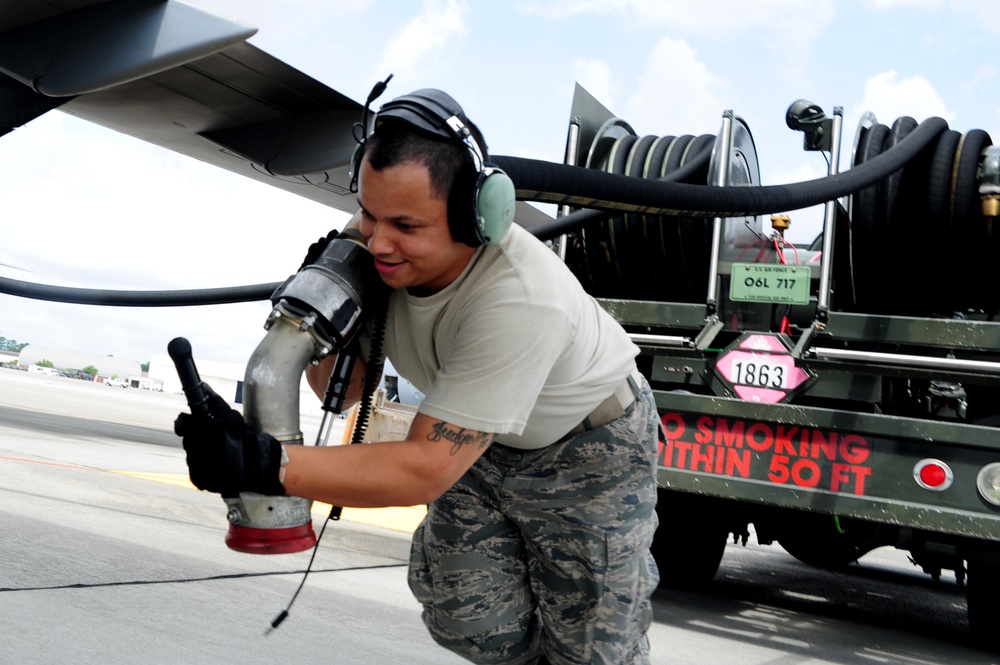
612, 408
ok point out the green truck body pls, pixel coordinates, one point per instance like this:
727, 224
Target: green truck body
831, 399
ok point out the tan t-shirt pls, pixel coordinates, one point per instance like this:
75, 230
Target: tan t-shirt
514, 346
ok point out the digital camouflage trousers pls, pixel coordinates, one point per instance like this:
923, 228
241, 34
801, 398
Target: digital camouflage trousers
546, 552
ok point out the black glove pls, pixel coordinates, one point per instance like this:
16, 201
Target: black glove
225, 456
317, 248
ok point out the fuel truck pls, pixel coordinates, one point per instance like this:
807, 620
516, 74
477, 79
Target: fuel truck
836, 397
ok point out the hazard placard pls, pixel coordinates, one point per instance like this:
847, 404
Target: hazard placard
759, 367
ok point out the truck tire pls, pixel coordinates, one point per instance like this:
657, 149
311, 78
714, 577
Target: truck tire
815, 540
984, 612
820, 554
690, 541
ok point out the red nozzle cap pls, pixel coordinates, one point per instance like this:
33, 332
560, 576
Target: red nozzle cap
270, 541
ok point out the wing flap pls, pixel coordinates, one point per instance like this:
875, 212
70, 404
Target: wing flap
244, 111
237, 108
104, 45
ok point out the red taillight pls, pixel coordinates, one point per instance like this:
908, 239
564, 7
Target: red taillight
932, 474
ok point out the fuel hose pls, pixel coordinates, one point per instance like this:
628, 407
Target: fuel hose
548, 182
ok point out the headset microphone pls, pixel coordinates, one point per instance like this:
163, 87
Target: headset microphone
363, 126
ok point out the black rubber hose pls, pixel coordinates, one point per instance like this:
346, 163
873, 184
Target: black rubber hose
581, 218
536, 180
220, 296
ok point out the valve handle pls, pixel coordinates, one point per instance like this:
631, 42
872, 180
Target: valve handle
179, 350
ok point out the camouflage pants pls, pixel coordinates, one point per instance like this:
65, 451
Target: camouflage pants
546, 551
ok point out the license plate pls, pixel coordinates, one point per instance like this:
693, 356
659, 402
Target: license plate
756, 282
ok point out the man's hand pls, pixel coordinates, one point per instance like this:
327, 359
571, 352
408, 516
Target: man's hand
225, 456
317, 248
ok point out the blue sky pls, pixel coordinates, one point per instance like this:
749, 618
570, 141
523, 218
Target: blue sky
83, 206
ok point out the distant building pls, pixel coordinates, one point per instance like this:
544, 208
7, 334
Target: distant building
226, 379
63, 359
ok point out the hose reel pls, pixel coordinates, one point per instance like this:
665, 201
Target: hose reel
893, 237
654, 257
921, 233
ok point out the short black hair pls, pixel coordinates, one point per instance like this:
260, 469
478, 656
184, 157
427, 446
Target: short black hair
448, 162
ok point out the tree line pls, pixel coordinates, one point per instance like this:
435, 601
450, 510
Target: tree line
11, 344
15, 346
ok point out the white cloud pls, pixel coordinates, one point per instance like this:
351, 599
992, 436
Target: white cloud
982, 81
568, 8
130, 239
722, 19
882, 5
83, 203
889, 97
786, 29
980, 13
430, 31
677, 93
598, 78
983, 13
90, 208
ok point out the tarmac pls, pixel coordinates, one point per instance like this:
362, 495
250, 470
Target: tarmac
108, 555
111, 556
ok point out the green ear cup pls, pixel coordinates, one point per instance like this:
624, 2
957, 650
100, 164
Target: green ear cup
494, 205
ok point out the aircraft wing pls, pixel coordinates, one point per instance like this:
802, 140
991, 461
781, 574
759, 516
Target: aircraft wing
185, 80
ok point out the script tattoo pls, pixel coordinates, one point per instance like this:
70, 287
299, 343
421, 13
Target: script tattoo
458, 437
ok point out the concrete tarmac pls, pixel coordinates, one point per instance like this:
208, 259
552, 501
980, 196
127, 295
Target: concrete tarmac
108, 555
100, 565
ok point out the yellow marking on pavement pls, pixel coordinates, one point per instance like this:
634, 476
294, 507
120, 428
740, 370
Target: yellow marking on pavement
403, 519
175, 479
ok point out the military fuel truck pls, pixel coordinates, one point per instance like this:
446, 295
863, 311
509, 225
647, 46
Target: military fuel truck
838, 397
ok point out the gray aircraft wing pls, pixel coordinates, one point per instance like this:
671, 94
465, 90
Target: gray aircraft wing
186, 80
183, 79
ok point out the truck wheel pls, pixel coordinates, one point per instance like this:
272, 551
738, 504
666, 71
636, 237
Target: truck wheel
821, 555
984, 611
689, 542
815, 540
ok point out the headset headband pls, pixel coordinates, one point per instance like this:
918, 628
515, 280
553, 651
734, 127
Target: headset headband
478, 212
434, 113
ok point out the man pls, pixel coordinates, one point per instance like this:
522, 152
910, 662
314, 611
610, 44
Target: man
534, 447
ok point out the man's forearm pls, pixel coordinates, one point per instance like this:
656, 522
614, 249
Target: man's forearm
372, 475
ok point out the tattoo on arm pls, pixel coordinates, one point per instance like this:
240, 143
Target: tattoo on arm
458, 437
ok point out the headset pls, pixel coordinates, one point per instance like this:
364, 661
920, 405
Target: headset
480, 206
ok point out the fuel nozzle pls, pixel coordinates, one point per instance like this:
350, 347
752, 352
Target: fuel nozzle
332, 289
258, 523
317, 312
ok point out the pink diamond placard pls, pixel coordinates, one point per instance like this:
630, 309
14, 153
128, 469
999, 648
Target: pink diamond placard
760, 368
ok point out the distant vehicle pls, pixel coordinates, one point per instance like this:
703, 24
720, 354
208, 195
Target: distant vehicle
116, 383
47, 371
